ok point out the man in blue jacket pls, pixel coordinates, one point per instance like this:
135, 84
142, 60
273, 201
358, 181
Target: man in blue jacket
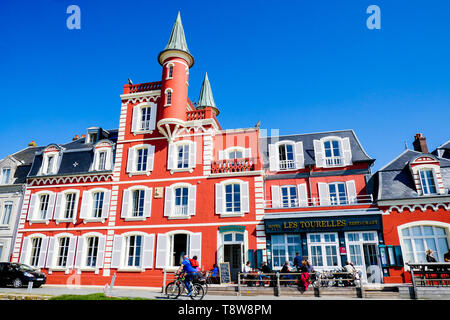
297, 261
189, 271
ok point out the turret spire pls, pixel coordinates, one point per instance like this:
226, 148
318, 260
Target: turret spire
177, 44
206, 98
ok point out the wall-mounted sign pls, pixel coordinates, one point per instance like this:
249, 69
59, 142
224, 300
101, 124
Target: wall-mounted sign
320, 224
158, 192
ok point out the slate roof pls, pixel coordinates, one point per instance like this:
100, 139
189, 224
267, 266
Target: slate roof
77, 156
358, 153
443, 151
395, 181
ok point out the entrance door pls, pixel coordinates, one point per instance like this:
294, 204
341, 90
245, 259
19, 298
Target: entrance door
233, 255
371, 262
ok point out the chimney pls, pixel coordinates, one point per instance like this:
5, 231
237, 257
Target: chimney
75, 138
32, 144
420, 143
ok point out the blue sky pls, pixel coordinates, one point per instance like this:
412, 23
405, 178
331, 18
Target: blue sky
297, 66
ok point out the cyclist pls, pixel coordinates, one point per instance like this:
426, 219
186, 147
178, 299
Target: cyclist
189, 271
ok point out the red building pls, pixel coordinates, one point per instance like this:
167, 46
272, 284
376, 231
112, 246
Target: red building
413, 193
133, 201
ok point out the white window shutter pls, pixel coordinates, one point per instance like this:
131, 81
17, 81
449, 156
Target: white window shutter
351, 191
221, 154
275, 190
319, 153
171, 156
192, 195
302, 195
273, 158
51, 249
126, 197
299, 155
324, 194
58, 209
32, 207
135, 125
85, 205
192, 154
153, 117
161, 251
118, 243
168, 201
148, 202
247, 153
106, 204
25, 247
94, 165
51, 206
150, 158
130, 159
101, 251
245, 200
148, 250
71, 252
196, 246
43, 252
220, 198
346, 151
80, 250
109, 159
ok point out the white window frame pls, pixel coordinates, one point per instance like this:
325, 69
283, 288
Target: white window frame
133, 157
172, 157
35, 204
53, 252
225, 154
127, 203
27, 250
87, 205
103, 146
433, 176
136, 123
169, 66
80, 261
168, 95
120, 252
44, 170
344, 149
286, 246
220, 198
298, 156
170, 201
61, 203
323, 246
7, 180
3, 212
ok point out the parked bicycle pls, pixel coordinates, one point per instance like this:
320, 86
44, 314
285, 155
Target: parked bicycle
177, 287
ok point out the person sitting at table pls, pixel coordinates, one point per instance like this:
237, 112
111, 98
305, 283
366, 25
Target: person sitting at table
286, 269
214, 276
246, 270
264, 269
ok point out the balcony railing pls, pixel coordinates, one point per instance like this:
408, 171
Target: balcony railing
287, 164
316, 202
233, 165
141, 87
180, 211
206, 113
334, 161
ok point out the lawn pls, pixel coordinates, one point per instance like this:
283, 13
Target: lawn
93, 296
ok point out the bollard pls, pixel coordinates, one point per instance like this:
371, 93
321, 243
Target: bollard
30, 286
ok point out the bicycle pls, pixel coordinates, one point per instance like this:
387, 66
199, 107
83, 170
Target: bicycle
175, 288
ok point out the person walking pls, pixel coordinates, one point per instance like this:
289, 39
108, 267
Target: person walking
297, 261
304, 277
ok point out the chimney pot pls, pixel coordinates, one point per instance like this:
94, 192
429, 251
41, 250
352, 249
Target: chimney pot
420, 143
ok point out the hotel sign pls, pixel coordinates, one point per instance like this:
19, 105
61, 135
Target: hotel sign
320, 224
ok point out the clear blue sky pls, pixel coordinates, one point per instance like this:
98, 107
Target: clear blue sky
297, 66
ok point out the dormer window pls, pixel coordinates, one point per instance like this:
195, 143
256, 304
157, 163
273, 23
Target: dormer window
427, 181
103, 156
333, 154
101, 160
286, 155
50, 161
6, 173
92, 137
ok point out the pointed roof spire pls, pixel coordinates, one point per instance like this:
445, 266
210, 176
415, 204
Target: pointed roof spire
177, 42
206, 98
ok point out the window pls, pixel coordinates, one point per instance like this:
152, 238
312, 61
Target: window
235, 154
142, 155
181, 201
43, 206
286, 156
284, 248
337, 193
183, 156
133, 251
168, 97
323, 249
289, 196
427, 181
332, 153
6, 213
6, 172
92, 251
417, 240
179, 246
50, 163
63, 251
233, 197
102, 161
138, 203
146, 118
169, 71
36, 244
70, 202
92, 137
98, 204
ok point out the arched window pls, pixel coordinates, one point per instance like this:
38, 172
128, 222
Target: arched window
168, 97
169, 71
333, 154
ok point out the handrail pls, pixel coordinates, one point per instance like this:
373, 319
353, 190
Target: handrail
429, 274
317, 202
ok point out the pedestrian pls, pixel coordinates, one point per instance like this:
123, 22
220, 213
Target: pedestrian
297, 261
304, 277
